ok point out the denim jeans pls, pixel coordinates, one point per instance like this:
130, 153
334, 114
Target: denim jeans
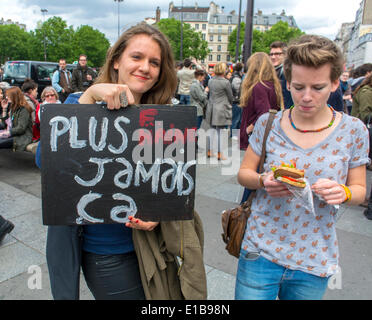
199, 121
184, 99
236, 117
260, 279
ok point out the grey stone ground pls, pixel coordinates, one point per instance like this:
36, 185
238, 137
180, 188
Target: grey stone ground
20, 202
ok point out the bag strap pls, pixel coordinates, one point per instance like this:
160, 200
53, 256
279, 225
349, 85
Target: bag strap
272, 113
269, 124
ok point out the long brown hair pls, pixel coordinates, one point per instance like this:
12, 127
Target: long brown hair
260, 69
366, 82
164, 89
18, 99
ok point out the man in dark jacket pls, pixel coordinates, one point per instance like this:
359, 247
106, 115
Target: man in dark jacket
277, 52
83, 76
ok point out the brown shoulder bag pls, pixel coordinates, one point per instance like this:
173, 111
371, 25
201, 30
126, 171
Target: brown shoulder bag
234, 220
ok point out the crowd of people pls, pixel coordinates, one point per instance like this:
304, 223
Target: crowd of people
323, 113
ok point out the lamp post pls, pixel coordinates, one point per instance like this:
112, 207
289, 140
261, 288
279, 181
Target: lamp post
44, 11
118, 1
181, 48
248, 31
238, 34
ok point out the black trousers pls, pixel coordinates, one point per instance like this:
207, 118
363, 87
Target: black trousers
113, 277
6, 143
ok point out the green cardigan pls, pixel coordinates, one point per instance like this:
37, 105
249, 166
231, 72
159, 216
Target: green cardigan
21, 130
362, 104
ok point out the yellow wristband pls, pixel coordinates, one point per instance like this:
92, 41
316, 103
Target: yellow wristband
347, 193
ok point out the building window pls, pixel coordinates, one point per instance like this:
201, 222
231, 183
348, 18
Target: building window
196, 26
210, 57
211, 37
219, 38
203, 36
204, 26
228, 57
219, 48
215, 19
229, 30
229, 20
219, 29
218, 57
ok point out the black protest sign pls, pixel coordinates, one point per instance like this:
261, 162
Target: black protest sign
101, 166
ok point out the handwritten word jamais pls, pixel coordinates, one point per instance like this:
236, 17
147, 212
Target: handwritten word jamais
124, 179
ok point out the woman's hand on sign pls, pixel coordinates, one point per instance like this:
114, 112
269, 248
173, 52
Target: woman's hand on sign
136, 223
107, 92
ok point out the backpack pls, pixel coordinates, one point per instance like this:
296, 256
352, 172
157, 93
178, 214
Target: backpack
236, 92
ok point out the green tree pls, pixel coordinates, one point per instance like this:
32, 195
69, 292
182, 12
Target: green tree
262, 40
14, 43
281, 31
91, 42
58, 40
193, 44
61, 41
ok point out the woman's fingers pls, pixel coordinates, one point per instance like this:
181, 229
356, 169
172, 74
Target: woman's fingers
275, 188
118, 96
109, 93
329, 190
136, 223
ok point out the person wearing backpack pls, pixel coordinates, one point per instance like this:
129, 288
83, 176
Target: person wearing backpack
236, 81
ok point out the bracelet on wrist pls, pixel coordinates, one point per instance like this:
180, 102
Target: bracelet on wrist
260, 179
347, 193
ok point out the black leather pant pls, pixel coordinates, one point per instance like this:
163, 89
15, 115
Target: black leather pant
6, 143
113, 277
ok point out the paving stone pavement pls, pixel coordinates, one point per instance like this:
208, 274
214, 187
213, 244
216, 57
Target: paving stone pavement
24, 248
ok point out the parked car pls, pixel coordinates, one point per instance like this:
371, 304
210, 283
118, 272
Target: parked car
15, 72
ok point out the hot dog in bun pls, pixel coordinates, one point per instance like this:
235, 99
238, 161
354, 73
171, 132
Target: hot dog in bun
288, 173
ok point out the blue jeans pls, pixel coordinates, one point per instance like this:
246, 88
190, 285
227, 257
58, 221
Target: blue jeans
184, 99
260, 279
199, 120
236, 117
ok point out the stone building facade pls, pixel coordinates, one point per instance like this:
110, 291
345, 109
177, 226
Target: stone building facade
216, 26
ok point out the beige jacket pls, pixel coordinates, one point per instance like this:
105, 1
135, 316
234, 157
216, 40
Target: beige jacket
185, 77
163, 278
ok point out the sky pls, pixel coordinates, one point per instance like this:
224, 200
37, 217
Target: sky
323, 17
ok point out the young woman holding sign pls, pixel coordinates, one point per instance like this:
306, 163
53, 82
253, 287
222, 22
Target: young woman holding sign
115, 258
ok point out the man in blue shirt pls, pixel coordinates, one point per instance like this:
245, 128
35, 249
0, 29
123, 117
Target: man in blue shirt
61, 81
